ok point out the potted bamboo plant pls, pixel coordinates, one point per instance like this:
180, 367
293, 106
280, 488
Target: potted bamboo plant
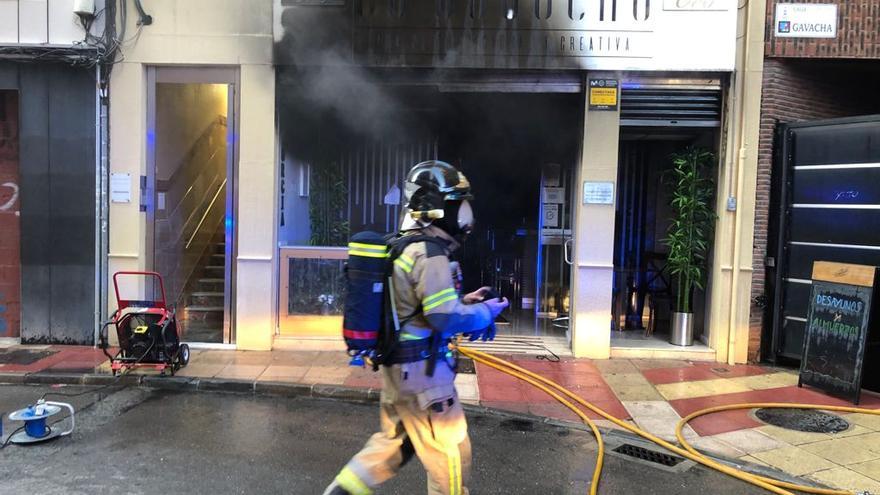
689, 235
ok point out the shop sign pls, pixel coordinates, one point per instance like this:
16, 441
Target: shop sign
603, 94
802, 20
599, 193
697, 5
539, 34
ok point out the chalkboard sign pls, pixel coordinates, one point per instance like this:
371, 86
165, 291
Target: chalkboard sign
838, 323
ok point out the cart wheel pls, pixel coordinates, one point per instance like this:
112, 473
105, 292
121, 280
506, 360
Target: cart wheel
183, 355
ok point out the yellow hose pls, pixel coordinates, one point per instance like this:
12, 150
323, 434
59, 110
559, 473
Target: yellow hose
774, 486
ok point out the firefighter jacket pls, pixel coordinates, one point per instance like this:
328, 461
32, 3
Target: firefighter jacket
427, 302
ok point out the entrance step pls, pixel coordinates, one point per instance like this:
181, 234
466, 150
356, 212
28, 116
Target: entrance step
522, 344
210, 284
207, 299
206, 314
215, 271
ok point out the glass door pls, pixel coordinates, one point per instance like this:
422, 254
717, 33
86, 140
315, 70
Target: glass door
190, 199
554, 251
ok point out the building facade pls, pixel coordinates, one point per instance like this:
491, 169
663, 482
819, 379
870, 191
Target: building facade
248, 139
806, 78
49, 173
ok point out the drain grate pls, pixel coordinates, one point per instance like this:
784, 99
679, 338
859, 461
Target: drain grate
649, 455
808, 420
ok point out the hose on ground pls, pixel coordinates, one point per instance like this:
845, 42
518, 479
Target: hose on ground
688, 452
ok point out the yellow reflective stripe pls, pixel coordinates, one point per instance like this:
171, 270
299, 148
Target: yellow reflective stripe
403, 266
368, 254
437, 295
429, 307
351, 483
407, 259
454, 460
368, 247
409, 336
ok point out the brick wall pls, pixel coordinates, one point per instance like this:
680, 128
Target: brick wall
796, 90
858, 23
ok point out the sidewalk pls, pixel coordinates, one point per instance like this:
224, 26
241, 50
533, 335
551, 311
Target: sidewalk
654, 394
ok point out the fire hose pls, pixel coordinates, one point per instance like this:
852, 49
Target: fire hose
560, 393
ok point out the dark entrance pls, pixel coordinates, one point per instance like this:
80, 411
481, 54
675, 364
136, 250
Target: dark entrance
346, 156
825, 206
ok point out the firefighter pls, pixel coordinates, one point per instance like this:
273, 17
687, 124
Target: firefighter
420, 412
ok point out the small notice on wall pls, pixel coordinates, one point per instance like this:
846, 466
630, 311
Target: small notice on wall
603, 94
802, 20
120, 188
551, 215
599, 193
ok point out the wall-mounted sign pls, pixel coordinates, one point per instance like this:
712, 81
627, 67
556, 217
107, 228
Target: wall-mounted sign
120, 188
604, 94
599, 193
697, 5
551, 216
806, 20
553, 195
538, 34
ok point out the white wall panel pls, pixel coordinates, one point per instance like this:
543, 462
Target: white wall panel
33, 21
64, 29
8, 21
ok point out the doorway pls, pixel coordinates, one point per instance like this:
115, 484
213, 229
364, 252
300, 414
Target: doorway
518, 147
643, 288
190, 193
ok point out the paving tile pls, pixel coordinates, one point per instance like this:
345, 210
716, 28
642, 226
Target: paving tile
295, 358
791, 436
283, 373
650, 364
723, 422
674, 375
327, 375
241, 371
686, 390
615, 366
846, 479
870, 469
749, 441
854, 430
870, 421
714, 446
740, 370
202, 370
771, 380
625, 379
501, 393
216, 357
794, 461
468, 393
843, 451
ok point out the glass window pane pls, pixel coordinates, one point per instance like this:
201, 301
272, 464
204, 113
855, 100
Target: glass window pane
316, 287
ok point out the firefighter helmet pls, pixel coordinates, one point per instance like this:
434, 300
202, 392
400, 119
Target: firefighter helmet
437, 193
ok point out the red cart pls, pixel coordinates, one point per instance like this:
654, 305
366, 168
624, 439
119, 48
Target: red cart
147, 329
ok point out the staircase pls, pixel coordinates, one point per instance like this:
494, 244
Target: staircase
202, 315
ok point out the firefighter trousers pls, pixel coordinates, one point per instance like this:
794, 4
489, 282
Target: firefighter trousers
437, 435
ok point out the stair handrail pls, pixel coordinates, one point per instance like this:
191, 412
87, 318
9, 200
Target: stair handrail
205, 214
